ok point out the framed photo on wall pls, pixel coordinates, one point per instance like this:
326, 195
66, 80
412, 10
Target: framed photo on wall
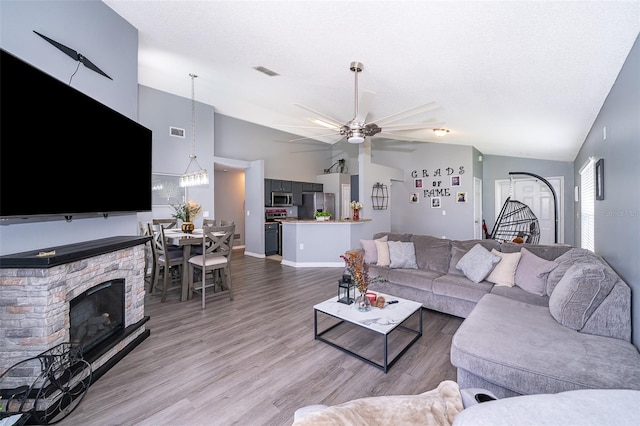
436, 203
600, 179
455, 180
414, 198
461, 197
418, 183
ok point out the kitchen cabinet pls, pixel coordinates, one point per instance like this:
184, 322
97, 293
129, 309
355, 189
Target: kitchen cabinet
311, 187
296, 188
267, 192
278, 185
271, 238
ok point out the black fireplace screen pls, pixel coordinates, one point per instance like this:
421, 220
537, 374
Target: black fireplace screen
97, 314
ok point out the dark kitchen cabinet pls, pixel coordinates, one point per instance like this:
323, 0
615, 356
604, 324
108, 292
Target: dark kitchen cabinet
296, 188
312, 187
278, 185
271, 237
267, 192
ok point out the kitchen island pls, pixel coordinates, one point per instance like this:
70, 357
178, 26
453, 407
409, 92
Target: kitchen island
310, 243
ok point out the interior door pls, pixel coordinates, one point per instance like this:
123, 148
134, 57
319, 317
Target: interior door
538, 197
477, 209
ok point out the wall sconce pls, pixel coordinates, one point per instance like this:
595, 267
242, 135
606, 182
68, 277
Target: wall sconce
379, 196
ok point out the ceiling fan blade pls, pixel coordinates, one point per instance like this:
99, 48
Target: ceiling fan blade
326, 118
407, 113
364, 106
301, 127
413, 126
314, 137
403, 137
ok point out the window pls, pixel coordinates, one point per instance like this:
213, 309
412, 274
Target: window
587, 205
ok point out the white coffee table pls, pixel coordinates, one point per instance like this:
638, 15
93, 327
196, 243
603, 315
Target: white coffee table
380, 320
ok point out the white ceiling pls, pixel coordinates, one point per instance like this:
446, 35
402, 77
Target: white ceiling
514, 78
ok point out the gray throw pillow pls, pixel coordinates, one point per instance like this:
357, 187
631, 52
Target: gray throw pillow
402, 254
477, 263
579, 293
532, 272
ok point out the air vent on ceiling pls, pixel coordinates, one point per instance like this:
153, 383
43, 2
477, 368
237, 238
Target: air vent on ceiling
176, 131
266, 71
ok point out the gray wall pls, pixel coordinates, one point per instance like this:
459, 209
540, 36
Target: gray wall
617, 217
242, 140
87, 27
160, 110
497, 167
453, 220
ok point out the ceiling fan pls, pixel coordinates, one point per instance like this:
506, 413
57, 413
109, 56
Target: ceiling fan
357, 129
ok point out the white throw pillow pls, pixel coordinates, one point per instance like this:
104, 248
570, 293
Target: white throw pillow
370, 250
504, 273
384, 258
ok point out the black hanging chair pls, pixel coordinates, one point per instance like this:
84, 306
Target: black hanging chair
516, 220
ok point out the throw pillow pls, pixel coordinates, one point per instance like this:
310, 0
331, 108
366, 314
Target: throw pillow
402, 255
370, 250
579, 293
383, 253
477, 263
504, 273
532, 272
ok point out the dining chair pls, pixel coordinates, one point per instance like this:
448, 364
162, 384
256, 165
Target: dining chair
210, 222
144, 230
217, 245
170, 223
168, 263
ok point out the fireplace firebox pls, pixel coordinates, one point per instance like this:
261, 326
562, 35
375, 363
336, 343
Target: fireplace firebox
96, 315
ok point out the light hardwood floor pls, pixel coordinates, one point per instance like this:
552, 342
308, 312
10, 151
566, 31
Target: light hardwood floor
253, 360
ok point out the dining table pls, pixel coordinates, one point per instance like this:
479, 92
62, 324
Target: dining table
178, 238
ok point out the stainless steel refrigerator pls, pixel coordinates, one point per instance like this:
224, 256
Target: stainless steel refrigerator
317, 201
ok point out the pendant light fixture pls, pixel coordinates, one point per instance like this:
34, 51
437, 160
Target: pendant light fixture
200, 175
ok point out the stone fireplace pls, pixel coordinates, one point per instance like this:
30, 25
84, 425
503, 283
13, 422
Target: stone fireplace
38, 290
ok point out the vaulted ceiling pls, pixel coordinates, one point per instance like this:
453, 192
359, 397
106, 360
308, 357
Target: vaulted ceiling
513, 78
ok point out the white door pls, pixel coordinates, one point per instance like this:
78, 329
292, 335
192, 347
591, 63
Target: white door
477, 209
538, 197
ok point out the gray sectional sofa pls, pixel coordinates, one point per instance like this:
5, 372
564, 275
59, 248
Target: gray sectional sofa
576, 334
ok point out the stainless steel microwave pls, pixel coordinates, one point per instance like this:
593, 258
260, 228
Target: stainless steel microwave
281, 199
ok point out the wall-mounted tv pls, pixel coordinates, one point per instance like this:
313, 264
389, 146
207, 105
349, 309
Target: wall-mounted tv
62, 153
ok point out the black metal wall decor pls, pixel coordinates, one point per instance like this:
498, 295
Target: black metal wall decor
379, 196
74, 55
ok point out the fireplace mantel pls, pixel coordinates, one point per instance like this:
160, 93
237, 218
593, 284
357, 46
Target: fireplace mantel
68, 253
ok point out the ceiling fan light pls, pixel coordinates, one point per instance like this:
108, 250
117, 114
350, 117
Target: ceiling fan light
440, 132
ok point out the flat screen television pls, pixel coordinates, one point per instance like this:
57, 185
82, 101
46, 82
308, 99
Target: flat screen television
62, 153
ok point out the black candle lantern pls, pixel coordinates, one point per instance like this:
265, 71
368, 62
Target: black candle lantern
346, 290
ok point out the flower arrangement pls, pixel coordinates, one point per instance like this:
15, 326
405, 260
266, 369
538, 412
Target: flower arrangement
356, 205
186, 211
359, 270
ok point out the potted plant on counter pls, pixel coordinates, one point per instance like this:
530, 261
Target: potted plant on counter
322, 216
